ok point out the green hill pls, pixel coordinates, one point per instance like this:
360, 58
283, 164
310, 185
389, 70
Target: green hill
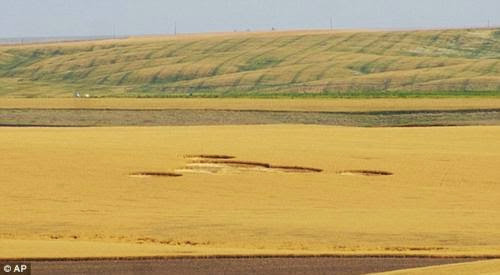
337, 64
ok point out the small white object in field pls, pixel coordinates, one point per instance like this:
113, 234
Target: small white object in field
87, 95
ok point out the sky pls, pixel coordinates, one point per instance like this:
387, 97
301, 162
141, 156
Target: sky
56, 18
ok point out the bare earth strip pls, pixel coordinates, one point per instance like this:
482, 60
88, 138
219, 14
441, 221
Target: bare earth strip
178, 117
270, 265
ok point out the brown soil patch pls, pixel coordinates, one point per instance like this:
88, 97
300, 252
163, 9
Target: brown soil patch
239, 265
367, 173
155, 174
236, 163
209, 156
202, 168
297, 169
222, 164
216, 165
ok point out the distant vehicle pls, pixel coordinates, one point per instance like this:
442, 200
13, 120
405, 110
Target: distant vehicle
78, 95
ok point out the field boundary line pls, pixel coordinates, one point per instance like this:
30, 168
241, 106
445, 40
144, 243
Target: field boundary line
381, 112
257, 256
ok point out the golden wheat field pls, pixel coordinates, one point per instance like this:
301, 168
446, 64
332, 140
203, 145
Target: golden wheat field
246, 190
484, 267
313, 105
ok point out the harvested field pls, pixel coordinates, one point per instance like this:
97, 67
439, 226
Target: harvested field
68, 192
179, 117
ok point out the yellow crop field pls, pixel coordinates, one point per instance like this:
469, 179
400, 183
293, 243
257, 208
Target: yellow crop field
314, 105
276, 189
478, 268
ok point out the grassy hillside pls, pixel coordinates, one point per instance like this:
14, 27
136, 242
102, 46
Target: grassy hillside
337, 64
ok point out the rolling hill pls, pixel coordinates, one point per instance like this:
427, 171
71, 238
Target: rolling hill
299, 63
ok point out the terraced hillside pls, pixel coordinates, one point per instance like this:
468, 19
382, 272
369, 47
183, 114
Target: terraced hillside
337, 64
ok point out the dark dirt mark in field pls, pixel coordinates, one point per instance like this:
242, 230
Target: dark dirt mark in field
223, 164
297, 169
368, 173
210, 156
217, 165
155, 174
178, 117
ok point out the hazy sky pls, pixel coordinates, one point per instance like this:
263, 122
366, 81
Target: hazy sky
39, 18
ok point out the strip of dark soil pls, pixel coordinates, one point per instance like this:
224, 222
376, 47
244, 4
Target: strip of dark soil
236, 163
297, 169
366, 173
210, 156
155, 174
253, 164
104, 118
265, 265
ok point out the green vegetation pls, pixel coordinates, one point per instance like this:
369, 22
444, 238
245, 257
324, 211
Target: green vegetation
437, 63
259, 64
496, 34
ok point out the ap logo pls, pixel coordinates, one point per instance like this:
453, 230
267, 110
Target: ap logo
16, 269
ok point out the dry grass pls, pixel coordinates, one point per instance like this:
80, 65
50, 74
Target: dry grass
71, 189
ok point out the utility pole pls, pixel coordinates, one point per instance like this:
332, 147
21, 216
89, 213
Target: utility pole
331, 23
175, 27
